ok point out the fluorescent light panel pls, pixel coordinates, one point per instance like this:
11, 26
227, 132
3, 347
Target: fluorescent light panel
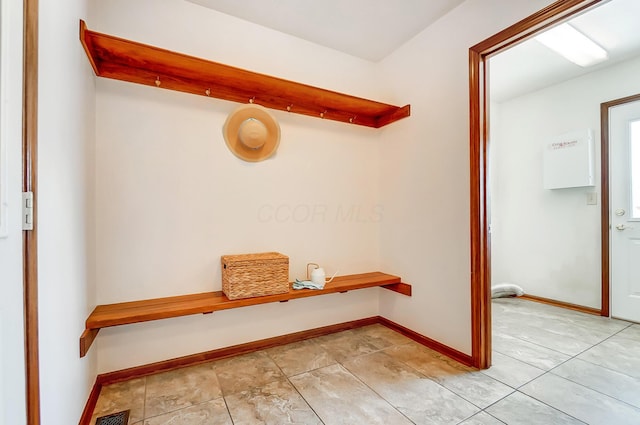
573, 45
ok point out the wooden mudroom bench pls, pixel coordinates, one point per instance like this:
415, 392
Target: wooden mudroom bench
207, 302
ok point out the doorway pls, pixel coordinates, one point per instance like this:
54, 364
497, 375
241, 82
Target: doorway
613, 79
479, 148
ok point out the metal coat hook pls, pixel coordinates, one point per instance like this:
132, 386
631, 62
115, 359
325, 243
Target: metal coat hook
252, 99
289, 107
322, 113
158, 82
207, 92
352, 119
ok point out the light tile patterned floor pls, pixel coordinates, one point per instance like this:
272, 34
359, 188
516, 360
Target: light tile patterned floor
550, 366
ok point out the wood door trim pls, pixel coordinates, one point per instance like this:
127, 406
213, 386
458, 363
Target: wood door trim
562, 304
478, 148
604, 195
29, 184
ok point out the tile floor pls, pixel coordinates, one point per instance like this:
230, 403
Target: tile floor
550, 366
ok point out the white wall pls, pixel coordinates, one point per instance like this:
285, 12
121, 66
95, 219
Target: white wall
159, 153
65, 174
425, 178
12, 378
548, 241
171, 198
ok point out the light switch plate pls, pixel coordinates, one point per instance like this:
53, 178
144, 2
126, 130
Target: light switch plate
592, 198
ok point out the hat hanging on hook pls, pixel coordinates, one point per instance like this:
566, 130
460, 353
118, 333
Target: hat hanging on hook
251, 133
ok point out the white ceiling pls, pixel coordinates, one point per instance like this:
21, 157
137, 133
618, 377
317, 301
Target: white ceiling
531, 66
372, 29
369, 29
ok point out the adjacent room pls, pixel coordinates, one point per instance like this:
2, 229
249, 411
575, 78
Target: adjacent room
545, 202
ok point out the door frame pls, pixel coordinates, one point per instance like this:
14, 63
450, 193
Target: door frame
29, 184
478, 151
605, 210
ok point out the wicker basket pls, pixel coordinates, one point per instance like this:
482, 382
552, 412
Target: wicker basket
254, 275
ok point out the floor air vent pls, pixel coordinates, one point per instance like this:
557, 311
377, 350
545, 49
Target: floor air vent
120, 418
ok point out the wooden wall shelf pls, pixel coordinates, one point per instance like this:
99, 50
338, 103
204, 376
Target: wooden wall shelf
120, 59
162, 308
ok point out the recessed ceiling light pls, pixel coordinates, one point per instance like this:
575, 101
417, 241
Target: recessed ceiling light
573, 45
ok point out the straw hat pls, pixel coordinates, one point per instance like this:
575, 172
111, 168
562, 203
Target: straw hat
251, 133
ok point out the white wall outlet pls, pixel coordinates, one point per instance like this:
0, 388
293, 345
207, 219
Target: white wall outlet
592, 198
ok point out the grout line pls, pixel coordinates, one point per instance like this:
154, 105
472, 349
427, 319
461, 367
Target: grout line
422, 375
608, 368
305, 400
144, 401
357, 378
597, 365
572, 357
224, 399
529, 364
537, 344
499, 420
310, 370
293, 386
554, 408
222, 395
145, 417
487, 413
596, 390
566, 354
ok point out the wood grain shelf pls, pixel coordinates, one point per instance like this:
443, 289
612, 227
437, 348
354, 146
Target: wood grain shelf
207, 302
120, 59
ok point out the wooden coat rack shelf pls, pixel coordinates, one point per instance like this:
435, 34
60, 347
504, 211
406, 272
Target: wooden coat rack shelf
120, 59
125, 60
183, 305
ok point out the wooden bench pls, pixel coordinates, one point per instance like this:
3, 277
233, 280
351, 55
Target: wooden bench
207, 302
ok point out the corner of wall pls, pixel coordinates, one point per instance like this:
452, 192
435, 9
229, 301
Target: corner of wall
66, 182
